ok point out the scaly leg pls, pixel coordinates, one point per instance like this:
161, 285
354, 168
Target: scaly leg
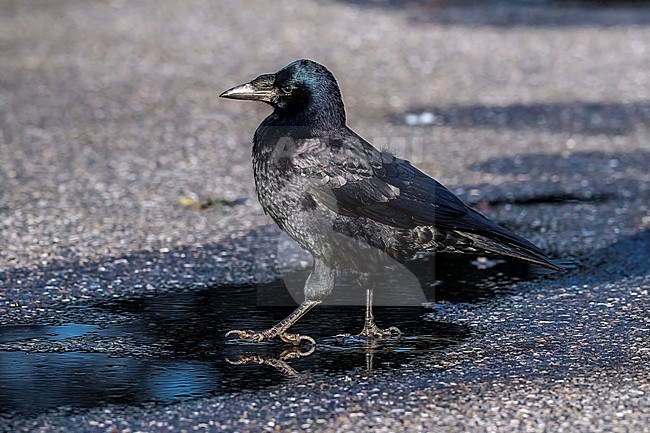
279, 330
370, 329
318, 286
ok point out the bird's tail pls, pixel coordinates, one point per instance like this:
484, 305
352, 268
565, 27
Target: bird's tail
513, 250
494, 238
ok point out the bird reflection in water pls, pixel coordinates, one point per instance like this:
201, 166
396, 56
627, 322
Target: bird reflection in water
281, 362
278, 362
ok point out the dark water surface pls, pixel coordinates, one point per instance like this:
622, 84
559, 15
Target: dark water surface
171, 347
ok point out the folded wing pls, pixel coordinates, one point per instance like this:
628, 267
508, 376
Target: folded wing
391, 191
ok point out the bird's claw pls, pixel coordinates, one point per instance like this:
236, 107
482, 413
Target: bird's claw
296, 339
372, 332
392, 331
258, 337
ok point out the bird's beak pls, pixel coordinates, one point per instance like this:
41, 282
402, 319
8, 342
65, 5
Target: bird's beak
257, 90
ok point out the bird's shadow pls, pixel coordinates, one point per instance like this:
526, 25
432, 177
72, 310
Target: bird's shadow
445, 279
424, 336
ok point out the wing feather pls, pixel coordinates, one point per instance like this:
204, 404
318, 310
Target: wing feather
391, 191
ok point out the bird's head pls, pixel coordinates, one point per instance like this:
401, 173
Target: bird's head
303, 89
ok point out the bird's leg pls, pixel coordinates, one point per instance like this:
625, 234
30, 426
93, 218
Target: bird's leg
370, 329
318, 286
279, 330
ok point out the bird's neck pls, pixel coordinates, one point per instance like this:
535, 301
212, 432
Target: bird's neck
309, 122
325, 115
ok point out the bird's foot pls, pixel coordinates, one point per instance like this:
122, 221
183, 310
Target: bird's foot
278, 363
269, 334
371, 331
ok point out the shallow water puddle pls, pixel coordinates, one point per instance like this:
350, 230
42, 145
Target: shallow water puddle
171, 347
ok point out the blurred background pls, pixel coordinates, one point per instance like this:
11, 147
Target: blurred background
131, 238
109, 110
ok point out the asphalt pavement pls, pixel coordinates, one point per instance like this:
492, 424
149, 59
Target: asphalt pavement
116, 283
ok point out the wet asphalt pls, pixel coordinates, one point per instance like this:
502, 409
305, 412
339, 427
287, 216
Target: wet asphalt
115, 293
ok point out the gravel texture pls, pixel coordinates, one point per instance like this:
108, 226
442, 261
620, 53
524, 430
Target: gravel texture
538, 115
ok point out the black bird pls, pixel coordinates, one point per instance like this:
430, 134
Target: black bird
353, 207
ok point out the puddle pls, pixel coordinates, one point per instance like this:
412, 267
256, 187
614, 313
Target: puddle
21, 332
171, 347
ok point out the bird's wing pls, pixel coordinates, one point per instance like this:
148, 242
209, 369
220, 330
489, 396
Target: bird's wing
352, 178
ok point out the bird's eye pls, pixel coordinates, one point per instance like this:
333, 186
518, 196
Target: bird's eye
285, 89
